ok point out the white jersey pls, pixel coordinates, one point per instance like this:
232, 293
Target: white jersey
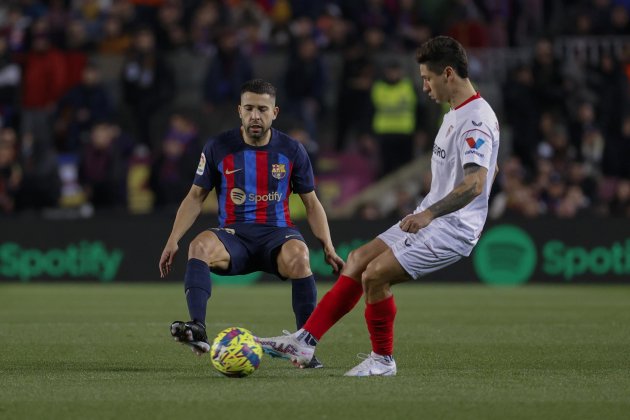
469, 134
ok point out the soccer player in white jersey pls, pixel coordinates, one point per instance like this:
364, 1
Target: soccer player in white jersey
444, 227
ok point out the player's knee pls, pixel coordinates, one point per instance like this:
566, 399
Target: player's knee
199, 249
371, 277
298, 265
356, 260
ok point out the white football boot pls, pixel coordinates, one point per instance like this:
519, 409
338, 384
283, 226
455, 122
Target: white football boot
288, 346
373, 365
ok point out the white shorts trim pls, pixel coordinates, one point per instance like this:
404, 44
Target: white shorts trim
423, 252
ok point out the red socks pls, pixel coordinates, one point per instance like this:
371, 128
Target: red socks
379, 317
339, 300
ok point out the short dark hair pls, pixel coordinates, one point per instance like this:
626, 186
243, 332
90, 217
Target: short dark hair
442, 51
259, 86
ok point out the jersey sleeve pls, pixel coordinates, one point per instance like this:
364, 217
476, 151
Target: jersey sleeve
302, 179
205, 176
475, 145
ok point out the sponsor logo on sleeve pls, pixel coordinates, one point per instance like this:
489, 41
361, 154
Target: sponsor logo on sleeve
474, 146
202, 164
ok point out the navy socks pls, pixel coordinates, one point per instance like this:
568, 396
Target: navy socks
198, 287
304, 299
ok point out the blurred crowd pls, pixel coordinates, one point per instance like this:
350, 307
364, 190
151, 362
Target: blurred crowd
65, 134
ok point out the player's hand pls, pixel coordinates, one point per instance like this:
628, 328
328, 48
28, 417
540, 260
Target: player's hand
414, 222
333, 260
166, 260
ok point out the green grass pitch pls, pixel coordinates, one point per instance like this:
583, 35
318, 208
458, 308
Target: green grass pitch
463, 351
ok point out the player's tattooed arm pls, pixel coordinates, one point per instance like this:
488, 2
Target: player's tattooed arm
464, 193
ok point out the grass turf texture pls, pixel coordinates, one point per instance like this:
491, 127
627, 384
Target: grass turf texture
104, 351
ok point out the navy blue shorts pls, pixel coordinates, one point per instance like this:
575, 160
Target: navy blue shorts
253, 247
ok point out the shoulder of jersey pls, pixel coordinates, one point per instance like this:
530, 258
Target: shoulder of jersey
223, 139
286, 140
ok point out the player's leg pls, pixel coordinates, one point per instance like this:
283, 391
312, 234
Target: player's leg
337, 302
293, 263
346, 291
408, 258
380, 313
204, 252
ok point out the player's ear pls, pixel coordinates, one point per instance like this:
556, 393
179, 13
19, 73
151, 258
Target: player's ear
276, 110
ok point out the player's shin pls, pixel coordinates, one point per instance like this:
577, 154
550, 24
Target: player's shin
304, 299
198, 287
339, 300
379, 318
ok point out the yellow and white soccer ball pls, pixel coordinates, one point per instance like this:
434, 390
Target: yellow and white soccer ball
235, 352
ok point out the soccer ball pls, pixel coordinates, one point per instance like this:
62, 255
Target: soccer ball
235, 352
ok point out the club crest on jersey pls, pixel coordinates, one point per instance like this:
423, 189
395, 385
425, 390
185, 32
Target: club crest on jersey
202, 164
278, 170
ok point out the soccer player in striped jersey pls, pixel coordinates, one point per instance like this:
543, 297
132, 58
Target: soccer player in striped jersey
443, 228
253, 169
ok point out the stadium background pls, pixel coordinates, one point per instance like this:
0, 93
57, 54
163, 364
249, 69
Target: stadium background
105, 105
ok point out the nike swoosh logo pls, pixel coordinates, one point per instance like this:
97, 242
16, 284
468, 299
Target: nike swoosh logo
288, 236
228, 172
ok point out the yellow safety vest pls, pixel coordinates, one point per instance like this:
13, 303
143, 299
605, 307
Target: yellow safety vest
395, 107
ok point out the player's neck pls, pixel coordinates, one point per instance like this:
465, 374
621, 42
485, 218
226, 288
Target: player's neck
462, 92
252, 141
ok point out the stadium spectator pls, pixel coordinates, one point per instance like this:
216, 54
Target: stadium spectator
79, 109
10, 76
170, 34
205, 27
10, 170
617, 150
41, 185
620, 204
76, 48
228, 69
148, 84
394, 100
44, 83
305, 83
172, 170
521, 112
103, 168
353, 101
547, 74
15, 29
114, 40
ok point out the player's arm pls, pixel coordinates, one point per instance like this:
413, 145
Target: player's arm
318, 222
470, 187
188, 211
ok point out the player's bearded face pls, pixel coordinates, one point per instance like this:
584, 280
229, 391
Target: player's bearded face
257, 114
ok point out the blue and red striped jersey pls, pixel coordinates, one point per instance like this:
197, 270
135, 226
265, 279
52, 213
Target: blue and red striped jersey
253, 184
